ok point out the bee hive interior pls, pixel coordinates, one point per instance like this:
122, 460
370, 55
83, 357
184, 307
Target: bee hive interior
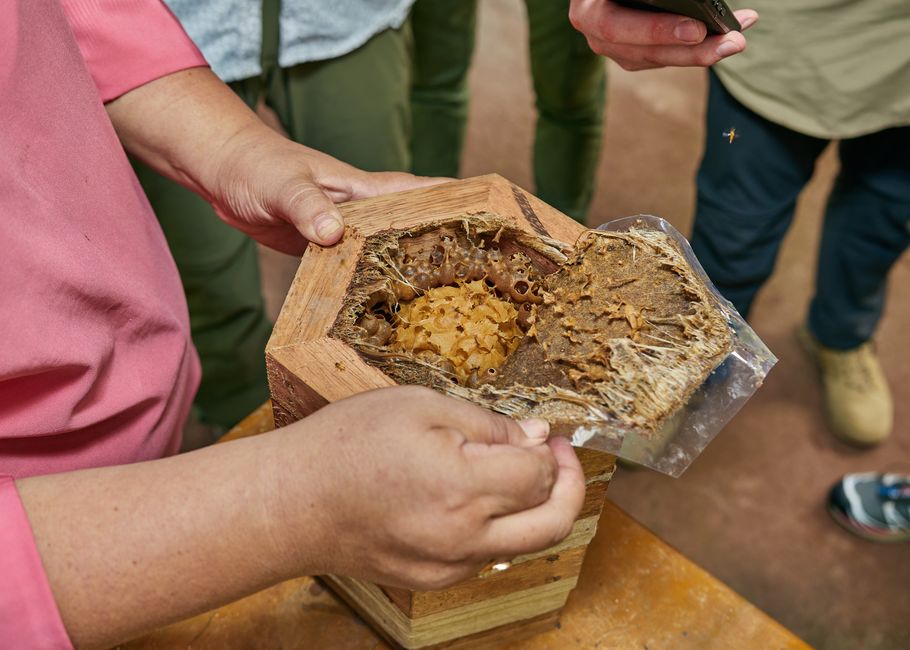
617, 332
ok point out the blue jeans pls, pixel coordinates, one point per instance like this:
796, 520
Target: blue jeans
747, 193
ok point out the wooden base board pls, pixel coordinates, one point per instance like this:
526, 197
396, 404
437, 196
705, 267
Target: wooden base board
385, 617
493, 639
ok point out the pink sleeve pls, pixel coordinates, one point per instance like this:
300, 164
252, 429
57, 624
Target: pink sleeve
127, 43
28, 614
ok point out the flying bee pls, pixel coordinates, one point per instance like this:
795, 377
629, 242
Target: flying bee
731, 135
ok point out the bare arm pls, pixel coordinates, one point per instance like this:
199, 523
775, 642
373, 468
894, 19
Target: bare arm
401, 486
128, 548
192, 128
638, 40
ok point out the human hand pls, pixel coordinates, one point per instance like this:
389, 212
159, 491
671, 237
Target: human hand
406, 487
190, 127
638, 40
283, 194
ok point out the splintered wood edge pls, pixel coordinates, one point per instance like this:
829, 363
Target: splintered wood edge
369, 600
317, 292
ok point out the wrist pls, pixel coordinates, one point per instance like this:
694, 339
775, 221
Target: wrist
295, 511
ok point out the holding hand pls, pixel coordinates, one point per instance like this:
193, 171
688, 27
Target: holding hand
283, 194
406, 487
638, 40
190, 127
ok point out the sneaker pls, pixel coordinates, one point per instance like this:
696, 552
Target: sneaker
857, 398
874, 506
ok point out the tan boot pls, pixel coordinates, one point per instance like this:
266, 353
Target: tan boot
857, 398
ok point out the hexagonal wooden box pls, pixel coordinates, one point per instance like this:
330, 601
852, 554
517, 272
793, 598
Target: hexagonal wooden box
308, 368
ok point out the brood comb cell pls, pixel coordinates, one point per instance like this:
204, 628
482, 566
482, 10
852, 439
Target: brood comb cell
451, 299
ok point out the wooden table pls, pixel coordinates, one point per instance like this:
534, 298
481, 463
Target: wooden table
635, 591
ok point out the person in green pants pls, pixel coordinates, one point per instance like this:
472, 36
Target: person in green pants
336, 84
569, 84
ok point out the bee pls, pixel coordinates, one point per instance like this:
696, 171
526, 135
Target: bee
731, 135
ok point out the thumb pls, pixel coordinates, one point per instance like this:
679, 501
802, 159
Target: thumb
479, 425
313, 214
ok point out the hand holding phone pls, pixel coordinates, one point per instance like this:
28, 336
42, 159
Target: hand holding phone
700, 34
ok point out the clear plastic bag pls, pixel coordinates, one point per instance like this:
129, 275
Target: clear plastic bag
713, 404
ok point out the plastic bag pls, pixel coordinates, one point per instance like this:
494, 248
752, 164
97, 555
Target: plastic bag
713, 404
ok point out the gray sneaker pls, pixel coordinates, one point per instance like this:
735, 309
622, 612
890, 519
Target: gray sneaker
874, 506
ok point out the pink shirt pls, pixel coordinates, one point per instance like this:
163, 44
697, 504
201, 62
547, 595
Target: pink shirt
96, 364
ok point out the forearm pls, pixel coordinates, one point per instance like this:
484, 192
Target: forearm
182, 124
133, 547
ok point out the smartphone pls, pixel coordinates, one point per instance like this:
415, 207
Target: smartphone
716, 14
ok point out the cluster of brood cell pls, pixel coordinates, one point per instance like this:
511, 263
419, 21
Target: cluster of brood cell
458, 303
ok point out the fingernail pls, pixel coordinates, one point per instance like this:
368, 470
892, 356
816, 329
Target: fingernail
727, 48
687, 31
327, 226
535, 428
748, 21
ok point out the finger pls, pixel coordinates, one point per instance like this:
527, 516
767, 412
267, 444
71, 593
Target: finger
712, 50
378, 183
619, 25
478, 425
536, 431
746, 18
312, 213
279, 235
547, 524
509, 479
284, 239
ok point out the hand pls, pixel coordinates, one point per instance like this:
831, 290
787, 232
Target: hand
638, 40
190, 127
419, 490
283, 194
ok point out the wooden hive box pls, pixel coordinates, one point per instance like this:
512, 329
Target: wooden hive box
308, 368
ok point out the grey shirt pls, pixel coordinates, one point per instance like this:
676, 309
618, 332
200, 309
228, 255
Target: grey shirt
229, 32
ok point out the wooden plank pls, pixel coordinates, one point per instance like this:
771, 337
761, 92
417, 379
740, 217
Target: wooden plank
595, 493
332, 369
505, 197
454, 623
553, 567
316, 294
596, 464
405, 210
583, 531
516, 633
292, 398
541, 568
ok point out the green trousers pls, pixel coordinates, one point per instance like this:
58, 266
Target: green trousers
569, 84
355, 108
